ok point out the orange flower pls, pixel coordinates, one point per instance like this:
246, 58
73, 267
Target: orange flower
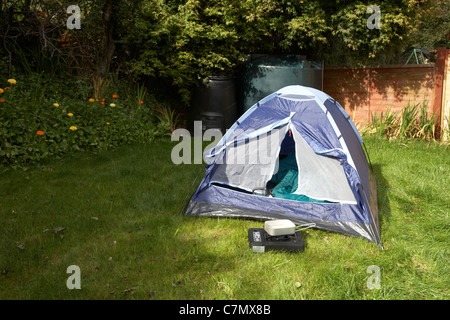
91, 100
114, 96
40, 133
2, 100
142, 102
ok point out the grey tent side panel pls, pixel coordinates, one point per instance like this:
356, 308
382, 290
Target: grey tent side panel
353, 143
356, 150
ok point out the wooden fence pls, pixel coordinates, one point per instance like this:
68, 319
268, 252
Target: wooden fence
445, 99
366, 90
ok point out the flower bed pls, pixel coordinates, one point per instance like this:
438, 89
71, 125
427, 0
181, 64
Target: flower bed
37, 120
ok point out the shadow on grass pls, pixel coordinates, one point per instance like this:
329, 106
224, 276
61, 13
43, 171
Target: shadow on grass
384, 207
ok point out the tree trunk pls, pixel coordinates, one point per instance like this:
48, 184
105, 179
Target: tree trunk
107, 47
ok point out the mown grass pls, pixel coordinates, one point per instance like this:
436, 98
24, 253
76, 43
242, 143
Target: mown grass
115, 215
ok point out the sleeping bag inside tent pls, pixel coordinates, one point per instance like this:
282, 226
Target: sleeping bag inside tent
295, 155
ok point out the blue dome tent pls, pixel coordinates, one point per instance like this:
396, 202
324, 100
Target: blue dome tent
296, 155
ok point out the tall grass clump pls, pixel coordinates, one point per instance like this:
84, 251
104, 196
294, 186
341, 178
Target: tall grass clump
411, 122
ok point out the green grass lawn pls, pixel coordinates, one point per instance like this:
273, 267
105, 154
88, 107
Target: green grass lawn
115, 215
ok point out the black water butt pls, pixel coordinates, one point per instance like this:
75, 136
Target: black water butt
214, 102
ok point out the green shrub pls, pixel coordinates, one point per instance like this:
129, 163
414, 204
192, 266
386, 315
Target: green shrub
41, 116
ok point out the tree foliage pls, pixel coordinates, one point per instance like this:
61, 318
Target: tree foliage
184, 41
432, 25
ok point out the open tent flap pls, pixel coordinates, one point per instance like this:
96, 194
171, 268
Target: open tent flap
237, 137
320, 177
248, 164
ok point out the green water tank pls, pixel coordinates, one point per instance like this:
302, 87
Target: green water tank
263, 74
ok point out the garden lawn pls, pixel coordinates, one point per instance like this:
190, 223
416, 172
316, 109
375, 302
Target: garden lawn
115, 214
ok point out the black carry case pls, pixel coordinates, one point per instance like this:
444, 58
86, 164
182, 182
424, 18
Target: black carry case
261, 241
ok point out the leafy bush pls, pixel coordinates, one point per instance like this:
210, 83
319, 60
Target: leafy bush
187, 41
42, 117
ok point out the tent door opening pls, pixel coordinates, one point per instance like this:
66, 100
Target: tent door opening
284, 182
282, 165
